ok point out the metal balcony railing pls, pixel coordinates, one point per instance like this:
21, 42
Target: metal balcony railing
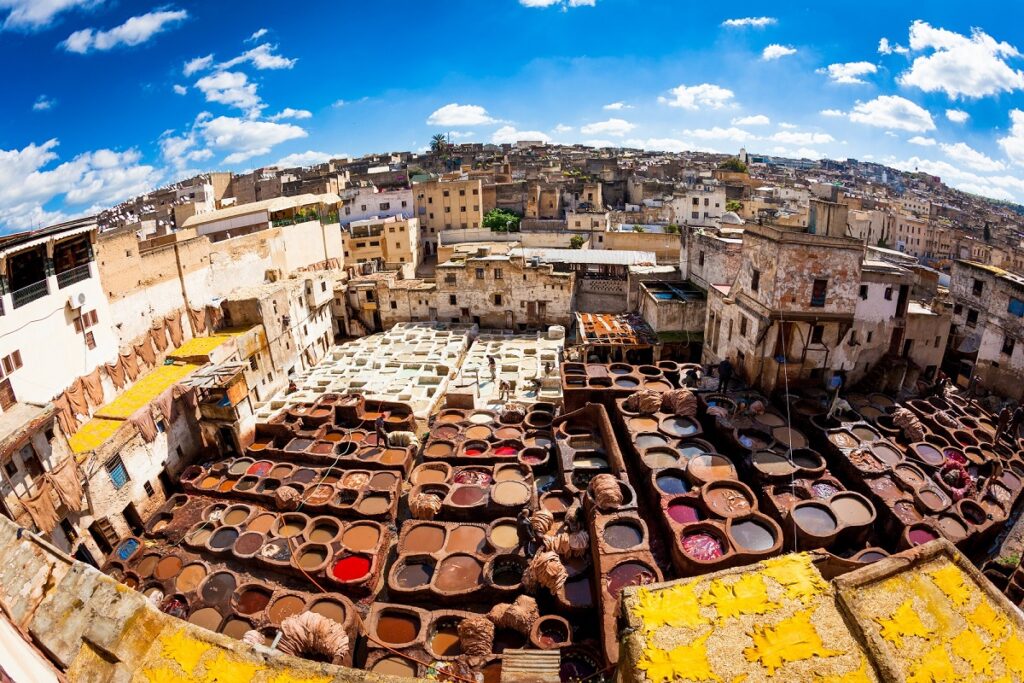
28, 294
70, 277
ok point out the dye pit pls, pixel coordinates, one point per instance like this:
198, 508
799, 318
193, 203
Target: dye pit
316, 515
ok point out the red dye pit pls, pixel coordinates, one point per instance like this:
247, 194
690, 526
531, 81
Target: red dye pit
683, 513
473, 451
921, 536
505, 450
351, 568
702, 546
260, 468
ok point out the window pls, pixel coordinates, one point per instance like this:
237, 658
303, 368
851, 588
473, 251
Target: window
817, 334
462, 193
870, 335
479, 273
743, 326
818, 293
384, 206
755, 280
700, 259
888, 293
1008, 344
69, 530
11, 468
978, 287
253, 365
958, 309
161, 426
118, 474
369, 297
394, 305
148, 489
972, 317
452, 300
498, 274
497, 299
445, 193
1016, 306
90, 340
12, 362
864, 292
937, 340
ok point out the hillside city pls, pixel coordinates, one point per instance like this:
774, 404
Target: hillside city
517, 412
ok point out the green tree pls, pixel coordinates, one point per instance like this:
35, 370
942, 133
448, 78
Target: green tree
638, 228
438, 143
733, 205
499, 220
576, 241
733, 164
671, 229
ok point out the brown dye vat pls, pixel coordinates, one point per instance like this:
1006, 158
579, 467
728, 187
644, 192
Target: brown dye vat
239, 467
430, 475
629, 574
468, 495
218, 587
507, 571
207, 618
679, 426
931, 499
952, 527
643, 424
235, 628
578, 592
383, 481
478, 432
466, 539
710, 467
910, 474
252, 600
397, 628
261, 523
223, 538
330, 609
815, 519
209, 482
727, 499
851, 509
843, 439
516, 474
458, 573
346, 498
167, 567
865, 433
906, 511
234, 516
246, 483
303, 475
393, 456
374, 505
444, 638
190, 578
929, 454
792, 437
322, 448
550, 632
147, 565
284, 607
361, 537
290, 525
445, 431
425, 538
886, 454
297, 445
439, 449
773, 464
659, 458
355, 480
311, 556
394, 666
504, 535
622, 535
414, 575
510, 493
249, 542
556, 503
752, 534
644, 441
508, 433
323, 531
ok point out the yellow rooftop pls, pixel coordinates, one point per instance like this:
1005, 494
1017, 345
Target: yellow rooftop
144, 390
202, 347
93, 434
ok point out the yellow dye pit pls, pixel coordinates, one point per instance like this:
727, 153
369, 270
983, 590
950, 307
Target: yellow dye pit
93, 434
145, 390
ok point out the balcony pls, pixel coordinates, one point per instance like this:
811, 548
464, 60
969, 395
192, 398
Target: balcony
70, 277
25, 295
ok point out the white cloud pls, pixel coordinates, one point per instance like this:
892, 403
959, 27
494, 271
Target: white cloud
832, 113
617, 106
43, 103
731, 134
887, 48
179, 89
789, 137
307, 158
996, 186
231, 88
103, 176
562, 128
564, 4
179, 150
662, 144
243, 139
616, 127
599, 142
261, 57
460, 115
974, 159
197, 64
134, 31
922, 141
787, 126
38, 14
849, 72
798, 153
338, 104
755, 120
509, 135
694, 97
960, 66
776, 51
1013, 143
756, 22
289, 113
461, 134
259, 33
957, 115
893, 111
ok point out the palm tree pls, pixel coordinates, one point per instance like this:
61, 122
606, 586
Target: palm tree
438, 143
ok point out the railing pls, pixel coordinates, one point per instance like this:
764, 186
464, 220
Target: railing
29, 294
69, 277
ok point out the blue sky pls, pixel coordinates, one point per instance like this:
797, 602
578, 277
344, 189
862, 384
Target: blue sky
106, 98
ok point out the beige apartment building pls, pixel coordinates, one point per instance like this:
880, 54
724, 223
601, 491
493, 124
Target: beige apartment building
446, 205
387, 242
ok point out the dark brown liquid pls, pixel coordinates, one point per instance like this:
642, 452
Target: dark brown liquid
622, 535
218, 587
414, 575
252, 600
425, 538
396, 628
458, 573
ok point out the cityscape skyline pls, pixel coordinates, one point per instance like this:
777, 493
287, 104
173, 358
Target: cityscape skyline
199, 88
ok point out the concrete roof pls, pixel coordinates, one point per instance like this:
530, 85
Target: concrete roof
588, 256
268, 205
